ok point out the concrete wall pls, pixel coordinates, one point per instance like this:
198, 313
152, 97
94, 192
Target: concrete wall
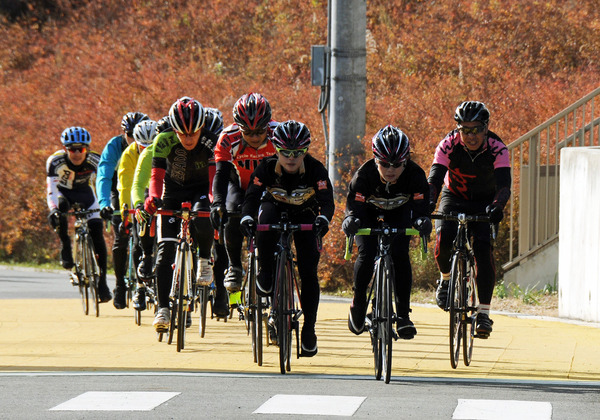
579, 231
536, 271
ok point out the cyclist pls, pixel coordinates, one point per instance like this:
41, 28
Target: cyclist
143, 134
392, 185
180, 173
108, 196
297, 183
240, 149
213, 123
70, 178
473, 165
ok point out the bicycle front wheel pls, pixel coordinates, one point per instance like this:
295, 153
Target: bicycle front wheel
284, 313
387, 321
93, 274
470, 298
456, 312
203, 293
374, 330
181, 299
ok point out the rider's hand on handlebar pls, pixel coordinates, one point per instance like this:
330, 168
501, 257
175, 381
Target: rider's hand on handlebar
423, 225
106, 213
321, 225
350, 225
218, 215
54, 218
495, 213
248, 226
152, 204
142, 215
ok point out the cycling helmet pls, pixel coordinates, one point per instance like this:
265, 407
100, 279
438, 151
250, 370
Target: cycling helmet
252, 111
472, 111
291, 135
164, 124
75, 135
130, 120
186, 115
213, 120
144, 132
391, 145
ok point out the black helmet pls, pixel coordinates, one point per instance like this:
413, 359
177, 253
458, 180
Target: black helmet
291, 135
187, 115
472, 111
391, 145
164, 124
130, 120
252, 111
213, 120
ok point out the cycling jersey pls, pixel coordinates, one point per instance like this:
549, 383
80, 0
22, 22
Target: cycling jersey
473, 176
125, 174
65, 178
236, 160
401, 202
106, 181
181, 169
308, 190
141, 178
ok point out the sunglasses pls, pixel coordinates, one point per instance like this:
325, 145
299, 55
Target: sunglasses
472, 130
393, 165
80, 149
254, 133
292, 153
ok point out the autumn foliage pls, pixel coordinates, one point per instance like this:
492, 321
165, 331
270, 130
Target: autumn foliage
83, 62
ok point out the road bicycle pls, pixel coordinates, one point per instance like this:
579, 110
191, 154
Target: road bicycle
130, 277
183, 287
462, 288
86, 274
285, 306
381, 295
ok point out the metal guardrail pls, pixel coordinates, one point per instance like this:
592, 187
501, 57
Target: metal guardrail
535, 163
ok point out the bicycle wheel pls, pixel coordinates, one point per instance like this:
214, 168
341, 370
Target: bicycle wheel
283, 313
470, 297
181, 300
455, 290
253, 310
203, 293
375, 316
386, 320
93, 274
81, 279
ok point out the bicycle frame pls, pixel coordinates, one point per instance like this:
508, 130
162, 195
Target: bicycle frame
285, 298
462, 289
87, 270
182, 287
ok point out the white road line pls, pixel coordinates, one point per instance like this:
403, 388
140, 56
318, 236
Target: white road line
319, 405
115, 401
502, 409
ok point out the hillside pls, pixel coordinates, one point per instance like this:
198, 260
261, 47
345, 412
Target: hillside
83, 62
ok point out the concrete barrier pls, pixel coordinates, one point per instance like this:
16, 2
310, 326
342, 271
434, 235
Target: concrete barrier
579, 232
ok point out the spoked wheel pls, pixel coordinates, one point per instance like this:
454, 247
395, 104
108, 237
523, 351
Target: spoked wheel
387, 321
284, 317
376, 326
173, 322
470, 294
93, 274
94, 293
181, 312
203, 292
137, 314
257, 334
84, 292
454, 291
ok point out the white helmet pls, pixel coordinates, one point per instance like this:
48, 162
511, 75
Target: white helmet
144, 132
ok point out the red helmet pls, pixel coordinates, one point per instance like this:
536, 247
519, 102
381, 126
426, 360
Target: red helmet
186, 115
252, 111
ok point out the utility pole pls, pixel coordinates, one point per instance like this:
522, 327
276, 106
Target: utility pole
348, 73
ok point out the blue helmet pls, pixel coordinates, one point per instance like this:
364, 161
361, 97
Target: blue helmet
75, 135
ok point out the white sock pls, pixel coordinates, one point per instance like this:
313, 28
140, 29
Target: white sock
483, 309
445, 276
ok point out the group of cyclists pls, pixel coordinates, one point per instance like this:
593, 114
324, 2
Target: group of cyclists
251, 172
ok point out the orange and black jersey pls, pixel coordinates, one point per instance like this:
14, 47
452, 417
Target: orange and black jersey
236, 160
308, 190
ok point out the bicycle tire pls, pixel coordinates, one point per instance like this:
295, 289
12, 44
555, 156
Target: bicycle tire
454, 293
80, 273
253, 310
387, 320
93, 273
203, 292
470, 292
283, 316
375, 316
180, 296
